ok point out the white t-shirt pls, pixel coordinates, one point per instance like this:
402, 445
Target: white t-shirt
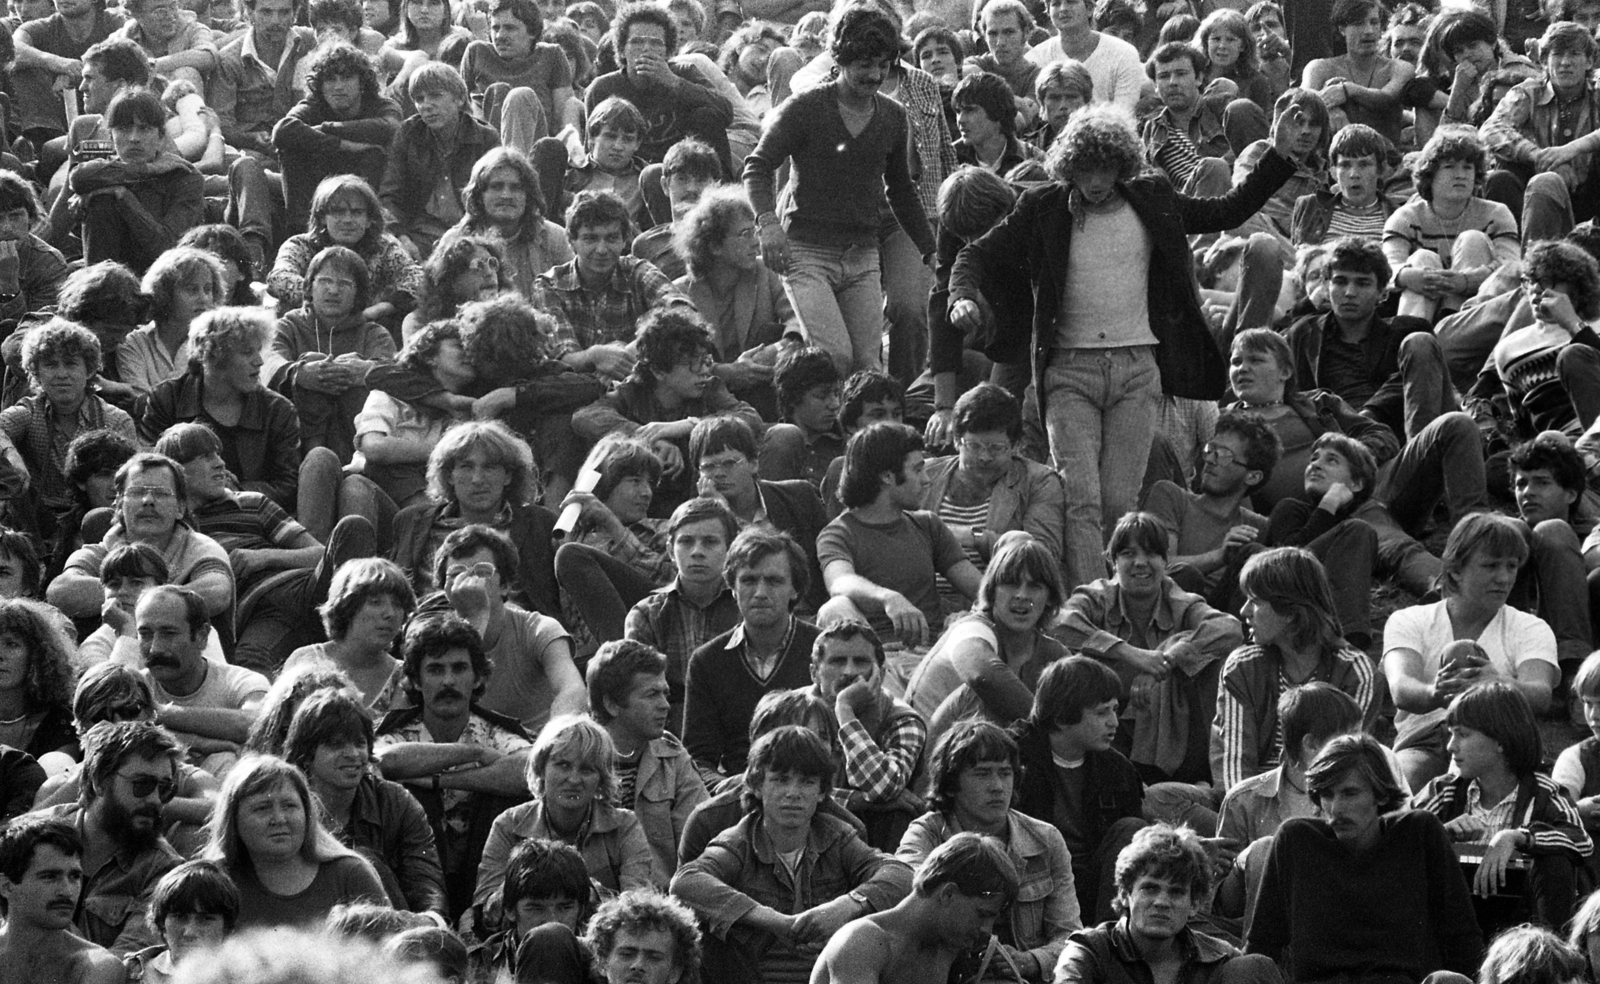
1513, 637
104, 644
1114, 65
1569, 770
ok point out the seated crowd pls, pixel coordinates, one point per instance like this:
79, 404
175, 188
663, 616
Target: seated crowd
1071, 492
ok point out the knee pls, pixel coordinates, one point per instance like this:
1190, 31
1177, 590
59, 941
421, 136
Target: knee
1457, 426
1250, 968
571, 558
1426, 259
1546, 185
1555, 534
1577, 358
246, 169
320, 462
1263, 247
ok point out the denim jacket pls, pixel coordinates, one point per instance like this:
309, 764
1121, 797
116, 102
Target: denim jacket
1046, 909
740, 871
666, 790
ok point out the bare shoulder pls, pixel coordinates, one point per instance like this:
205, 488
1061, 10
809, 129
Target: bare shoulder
97, 965
857, 954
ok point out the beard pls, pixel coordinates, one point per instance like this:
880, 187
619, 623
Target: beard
121, 825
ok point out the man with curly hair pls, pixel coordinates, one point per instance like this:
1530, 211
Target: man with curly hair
344, 125
1107, 241
645, 937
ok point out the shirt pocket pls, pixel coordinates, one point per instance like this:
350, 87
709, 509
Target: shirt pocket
105, 915
1027, 912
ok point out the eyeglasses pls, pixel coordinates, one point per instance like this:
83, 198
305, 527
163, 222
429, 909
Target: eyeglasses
702, 364
721, 466
149, 493
340, 282
484, 570
996, 450
1221, 455
484, 263
143, 785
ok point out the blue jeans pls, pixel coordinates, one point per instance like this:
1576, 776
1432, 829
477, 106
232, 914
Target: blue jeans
1101, 413
836, 292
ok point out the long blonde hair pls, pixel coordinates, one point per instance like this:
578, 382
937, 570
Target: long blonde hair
257, 774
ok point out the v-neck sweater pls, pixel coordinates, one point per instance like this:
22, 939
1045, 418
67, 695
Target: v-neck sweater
838, 179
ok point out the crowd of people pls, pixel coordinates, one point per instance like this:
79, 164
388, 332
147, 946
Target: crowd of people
793, 492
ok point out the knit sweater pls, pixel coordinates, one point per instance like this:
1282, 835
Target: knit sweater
1398, 910
1415, 226
837, 179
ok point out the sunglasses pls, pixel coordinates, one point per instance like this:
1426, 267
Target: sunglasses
142, 786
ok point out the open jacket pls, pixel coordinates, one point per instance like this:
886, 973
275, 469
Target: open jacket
1038, 234
1030, 497
666, 790
1544, 810
1381, 351
389, 828
1107, 954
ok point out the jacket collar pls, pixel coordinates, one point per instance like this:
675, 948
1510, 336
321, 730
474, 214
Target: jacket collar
191, 403
1196, 947
1164, 618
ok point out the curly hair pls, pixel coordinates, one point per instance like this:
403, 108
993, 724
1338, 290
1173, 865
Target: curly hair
502, 335
868, 386
43, 633
177, 266
709, 222
227, 244
1557, 261
595, 210
1552, 452
645, 12
668, 337
1354, 254
1173, 854
226, 331
1263, 448
611, 670
645, 909
531, 226
450, 260
802, 372
322, 200
1227, 19
749, 33
1097, 137
59, 340
498, 442
862, 32
422, 350
1449, 144
103, 293
340, 60
435, 636
357, 581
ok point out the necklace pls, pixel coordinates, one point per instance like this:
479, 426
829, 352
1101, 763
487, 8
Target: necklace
14, 721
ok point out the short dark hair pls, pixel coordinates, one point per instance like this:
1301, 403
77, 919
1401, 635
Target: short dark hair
1263, 448
1460, 28
1354, 254
1317, 710
611, 670
978, 865
1449, 144
1348, 12
701, 509
616, 113
791, 749
758, 541
324, 718
801, 372
940, 34
1557, 261
150, 459
988, 407
693, 157
16, 192
20, 839
1138, 529
194, 606
525, 11
1361, 754
94, 452
1363, 463
867, 386
1173, 51
334, 13
724, 432
596, 209
864, 31
1358, 140
122, 61
134, 559
1554, 454
1172, 854
435, 636
800, 707
844, 630
132, 107
873, 450
667, 337
966, 744
109, 744
544, 869
990, 93
1069, 687
194, 888
1500, 711
470, 539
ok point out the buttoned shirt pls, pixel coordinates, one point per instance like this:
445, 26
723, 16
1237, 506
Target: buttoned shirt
251, 96
584, 317
1529, 118
42, 436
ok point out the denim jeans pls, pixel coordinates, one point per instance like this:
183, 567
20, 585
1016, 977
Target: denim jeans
836, 292
907, 282
1100, 409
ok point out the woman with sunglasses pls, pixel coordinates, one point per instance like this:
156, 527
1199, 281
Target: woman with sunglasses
461, 269
36, 680
268, 836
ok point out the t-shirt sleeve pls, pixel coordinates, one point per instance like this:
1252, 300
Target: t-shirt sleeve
1167, 503
835, 543
1530, 638
1406, 629
1569, 771
379, 415
246, 685
947, 553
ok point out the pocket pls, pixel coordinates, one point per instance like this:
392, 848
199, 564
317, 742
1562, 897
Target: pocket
104, 915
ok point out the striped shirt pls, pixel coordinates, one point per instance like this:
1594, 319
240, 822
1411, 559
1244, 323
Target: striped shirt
248, 521
1178, 157
1362, 223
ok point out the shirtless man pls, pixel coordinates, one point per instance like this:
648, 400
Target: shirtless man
960, 890
41, 877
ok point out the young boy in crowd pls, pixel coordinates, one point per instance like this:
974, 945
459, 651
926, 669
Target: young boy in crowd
546, 889
616, 129
1355, 206
808, 438
869, 396
129, 570
689, 168
194, 907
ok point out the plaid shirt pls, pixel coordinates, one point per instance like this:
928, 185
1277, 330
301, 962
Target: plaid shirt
584, 317
1529, 118
42, 439
879, 768
673, 625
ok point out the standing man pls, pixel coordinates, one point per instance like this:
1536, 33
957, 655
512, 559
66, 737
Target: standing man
656, 779
956, 896
41, 876
130, 771
211, 706
152, 498
769, 649
252, 90
1112, 62
463, 763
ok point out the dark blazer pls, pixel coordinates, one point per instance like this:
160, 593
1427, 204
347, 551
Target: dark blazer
1109, 782
795, 507
1038, 234
1307, 337
262, 449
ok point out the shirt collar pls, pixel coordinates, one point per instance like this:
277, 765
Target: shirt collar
736, 638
